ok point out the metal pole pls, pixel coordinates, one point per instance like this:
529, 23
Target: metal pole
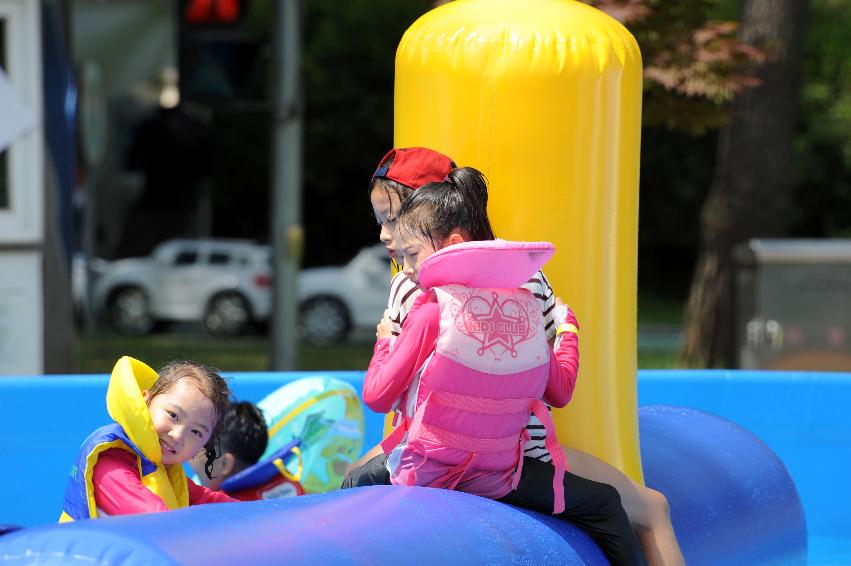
287, 232
93, 132
90, 321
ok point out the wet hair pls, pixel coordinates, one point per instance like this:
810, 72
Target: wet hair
212, 385
244, 433
434, 211
389, 186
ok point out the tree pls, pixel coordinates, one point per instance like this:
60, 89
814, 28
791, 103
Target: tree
693, 63
754, 177
348, 78
823, 197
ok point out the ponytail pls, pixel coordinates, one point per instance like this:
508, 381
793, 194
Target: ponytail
473, 183
458, 203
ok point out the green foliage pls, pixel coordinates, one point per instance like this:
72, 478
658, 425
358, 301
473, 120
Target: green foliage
349, 52
824, 136
658, 359
676, 172
693, 65
655, 309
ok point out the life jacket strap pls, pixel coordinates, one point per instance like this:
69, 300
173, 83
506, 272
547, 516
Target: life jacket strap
464, 442
556, 453
480, 405
395, 437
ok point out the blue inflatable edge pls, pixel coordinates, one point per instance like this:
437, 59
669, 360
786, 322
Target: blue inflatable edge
813, 435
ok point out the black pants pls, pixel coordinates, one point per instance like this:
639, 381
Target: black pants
592, 506
374, 472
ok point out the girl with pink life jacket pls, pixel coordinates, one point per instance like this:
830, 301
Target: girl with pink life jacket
465, 409
472, 362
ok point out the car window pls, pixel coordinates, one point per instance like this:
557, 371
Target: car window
219, 258
186, 257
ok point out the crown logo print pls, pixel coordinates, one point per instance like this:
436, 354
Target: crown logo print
497, 327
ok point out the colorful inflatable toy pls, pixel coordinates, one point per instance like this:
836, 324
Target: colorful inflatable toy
325, 416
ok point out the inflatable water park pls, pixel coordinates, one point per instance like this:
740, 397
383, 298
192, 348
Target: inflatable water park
544, 96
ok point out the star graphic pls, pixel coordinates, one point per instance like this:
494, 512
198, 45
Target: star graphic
497, 328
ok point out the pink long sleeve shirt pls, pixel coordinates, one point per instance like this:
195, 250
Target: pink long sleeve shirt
120, 491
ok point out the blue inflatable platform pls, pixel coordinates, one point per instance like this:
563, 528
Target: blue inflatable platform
768, 492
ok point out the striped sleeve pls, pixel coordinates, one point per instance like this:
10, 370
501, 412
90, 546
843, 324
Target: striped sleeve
543, 291
540, 287
403, 293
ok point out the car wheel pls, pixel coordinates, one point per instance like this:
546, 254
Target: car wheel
228, 314
324, 321
129, 312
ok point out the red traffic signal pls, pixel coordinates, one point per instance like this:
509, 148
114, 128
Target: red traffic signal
212, 11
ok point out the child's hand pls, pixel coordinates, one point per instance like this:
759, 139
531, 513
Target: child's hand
564, 320
560, 311
384, 327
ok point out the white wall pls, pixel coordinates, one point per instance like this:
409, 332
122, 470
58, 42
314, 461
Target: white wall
22, 220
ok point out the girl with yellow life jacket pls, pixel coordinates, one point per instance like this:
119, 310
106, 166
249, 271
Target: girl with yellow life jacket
135, 465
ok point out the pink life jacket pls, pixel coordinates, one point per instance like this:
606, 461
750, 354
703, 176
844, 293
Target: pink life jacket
468, 408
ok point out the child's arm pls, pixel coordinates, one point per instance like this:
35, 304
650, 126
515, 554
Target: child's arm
390, 372
564, 361
403, 293
199, 495
540, 287
118, 488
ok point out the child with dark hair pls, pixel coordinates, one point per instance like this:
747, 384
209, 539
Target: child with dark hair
400, 173
472, 362
162, 420
242, 441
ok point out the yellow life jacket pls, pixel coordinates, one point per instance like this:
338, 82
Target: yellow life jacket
133, 431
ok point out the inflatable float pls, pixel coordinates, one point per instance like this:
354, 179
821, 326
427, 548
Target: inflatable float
325, 416
732, 502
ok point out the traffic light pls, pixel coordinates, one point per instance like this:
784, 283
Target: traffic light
218, 55
215, 12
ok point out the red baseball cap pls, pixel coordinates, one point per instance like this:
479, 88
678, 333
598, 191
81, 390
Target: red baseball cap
414, 166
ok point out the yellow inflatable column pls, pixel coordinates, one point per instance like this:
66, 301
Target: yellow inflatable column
544, 96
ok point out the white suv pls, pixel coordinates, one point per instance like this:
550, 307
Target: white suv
334, 300
224, 283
